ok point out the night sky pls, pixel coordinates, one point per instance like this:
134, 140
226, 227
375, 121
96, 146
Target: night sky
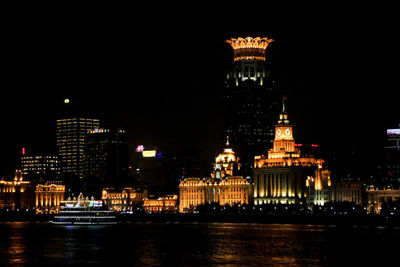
160, 75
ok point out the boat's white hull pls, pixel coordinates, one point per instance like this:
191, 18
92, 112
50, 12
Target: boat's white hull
83, 223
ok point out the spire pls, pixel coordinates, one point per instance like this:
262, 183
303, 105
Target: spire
283, 104
227, 140
283, 117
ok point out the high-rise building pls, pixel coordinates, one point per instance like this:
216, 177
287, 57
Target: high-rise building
40, 166
149, 167
389, 167
107, 156
250, 99
71, 141
285, 176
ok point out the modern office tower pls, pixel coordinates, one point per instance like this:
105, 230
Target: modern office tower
389, 167
149, 166
285, 176
71, 141
107, 156
250, 99
40, 166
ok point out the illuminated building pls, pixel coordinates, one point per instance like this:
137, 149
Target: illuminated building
107, 156
49, 196
285, 176
250, 99
389, 166
165, 204
375, 197
127, 199
71, 141
319, 187
226, 163
16, 194
43, 166
348, 189
220, 188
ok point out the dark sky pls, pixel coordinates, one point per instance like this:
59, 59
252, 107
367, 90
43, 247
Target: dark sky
160, 75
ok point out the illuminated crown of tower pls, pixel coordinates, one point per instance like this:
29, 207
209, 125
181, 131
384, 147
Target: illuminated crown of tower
249, 48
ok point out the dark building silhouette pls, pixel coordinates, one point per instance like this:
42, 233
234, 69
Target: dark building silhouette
250, 100
149, 169
389, 167
107, 156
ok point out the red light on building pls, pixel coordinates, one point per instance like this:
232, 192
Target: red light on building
23, 151
297, 145
314, 145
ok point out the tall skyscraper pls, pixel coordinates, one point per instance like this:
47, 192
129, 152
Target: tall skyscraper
250, 99
389, 166
71, 141
107, 156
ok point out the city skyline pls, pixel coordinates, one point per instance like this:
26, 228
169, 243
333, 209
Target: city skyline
162, 84
188, 134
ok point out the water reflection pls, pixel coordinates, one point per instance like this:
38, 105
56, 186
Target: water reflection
16, 250
237, 244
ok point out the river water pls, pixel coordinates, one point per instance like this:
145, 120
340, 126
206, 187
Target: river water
199, 244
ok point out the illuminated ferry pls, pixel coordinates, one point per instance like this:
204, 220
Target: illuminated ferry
83, 210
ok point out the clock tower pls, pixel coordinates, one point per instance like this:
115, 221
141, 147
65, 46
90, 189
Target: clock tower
284, 141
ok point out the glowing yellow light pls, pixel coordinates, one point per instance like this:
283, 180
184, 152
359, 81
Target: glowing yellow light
149, 153
249, 48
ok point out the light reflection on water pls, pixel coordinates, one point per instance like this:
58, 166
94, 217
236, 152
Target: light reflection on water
237, 244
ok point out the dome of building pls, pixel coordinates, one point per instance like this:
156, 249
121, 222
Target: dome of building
227, 155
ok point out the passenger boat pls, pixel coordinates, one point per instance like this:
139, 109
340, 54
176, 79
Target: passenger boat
83, 211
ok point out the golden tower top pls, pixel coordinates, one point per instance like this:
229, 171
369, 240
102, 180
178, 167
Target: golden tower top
249, 48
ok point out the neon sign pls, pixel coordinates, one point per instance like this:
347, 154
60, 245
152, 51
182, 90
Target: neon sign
149, 153
393, 131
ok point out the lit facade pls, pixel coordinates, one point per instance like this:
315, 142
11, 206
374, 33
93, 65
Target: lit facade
127, 199
285, 176
71, 141
375, 197
226, 163
348, 189
220, 188
250, 99
40, 166
49, 197
165, 204
16, 193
